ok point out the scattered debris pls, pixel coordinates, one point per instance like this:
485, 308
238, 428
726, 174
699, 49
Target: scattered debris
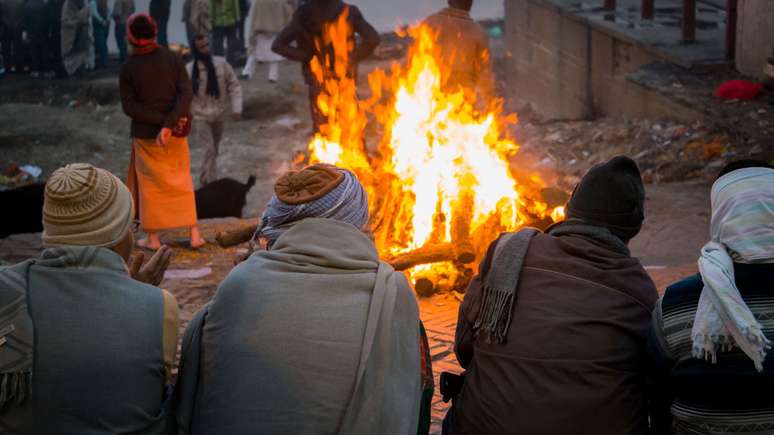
187, 273
16, 176
289, 122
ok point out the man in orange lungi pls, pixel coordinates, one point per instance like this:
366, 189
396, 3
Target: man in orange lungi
156, 94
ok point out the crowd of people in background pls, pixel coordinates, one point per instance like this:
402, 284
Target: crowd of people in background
57, 38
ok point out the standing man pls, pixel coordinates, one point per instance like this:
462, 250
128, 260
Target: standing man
77, 41
306, 31
156, 94
54, 26
101, 28
265, 20
122, 10
197, 19
159, 10
36, 25
463, 46
214, 84
226, 15
12, 20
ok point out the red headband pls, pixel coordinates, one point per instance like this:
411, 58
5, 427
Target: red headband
134, 40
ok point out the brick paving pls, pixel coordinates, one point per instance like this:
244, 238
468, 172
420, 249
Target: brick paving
439, 315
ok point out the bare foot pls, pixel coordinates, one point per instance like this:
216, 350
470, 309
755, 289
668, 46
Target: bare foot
147, 243
197, 241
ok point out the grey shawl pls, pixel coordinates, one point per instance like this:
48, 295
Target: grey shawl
16, 336
77, 40
500, 282
96, 349
315, 336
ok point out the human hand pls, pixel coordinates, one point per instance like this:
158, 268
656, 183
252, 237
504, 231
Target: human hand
164, 136
153, 271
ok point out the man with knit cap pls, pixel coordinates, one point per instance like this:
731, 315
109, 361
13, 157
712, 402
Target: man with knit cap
84, 347
314, 335
553, 330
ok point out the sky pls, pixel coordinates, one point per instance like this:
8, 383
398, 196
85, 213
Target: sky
385, 15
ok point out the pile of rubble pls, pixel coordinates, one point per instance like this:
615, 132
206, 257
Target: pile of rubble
666, 151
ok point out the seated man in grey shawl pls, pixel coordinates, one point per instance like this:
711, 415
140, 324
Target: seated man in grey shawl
314, 335
553, 330
84, 347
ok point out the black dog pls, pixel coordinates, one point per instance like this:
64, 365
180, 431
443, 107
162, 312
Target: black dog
22, 210
222, 198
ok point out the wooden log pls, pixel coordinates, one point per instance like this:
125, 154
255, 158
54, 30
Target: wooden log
430, 254
423, 255
230, 238
464, 252
424, 287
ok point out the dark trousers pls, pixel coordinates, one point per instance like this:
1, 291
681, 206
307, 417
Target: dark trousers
318, 118
241, 36
13, 48
101, 33
162, 30
55, 44
229, 36
40, 52
120, 34
447, 427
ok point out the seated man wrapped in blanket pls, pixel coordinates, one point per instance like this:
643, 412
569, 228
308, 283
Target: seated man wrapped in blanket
314, 335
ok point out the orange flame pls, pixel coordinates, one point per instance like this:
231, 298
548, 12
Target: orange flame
441, 172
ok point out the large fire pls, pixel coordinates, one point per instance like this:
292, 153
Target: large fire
439, 182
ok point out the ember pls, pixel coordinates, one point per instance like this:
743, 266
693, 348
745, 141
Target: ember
440, 183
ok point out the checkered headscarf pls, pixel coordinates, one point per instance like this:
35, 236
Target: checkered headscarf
347, 202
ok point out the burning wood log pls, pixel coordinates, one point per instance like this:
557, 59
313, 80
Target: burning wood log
464, 252
432, 254
230, 238
424, 287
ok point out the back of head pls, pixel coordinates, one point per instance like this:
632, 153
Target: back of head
85, 206
741, 164
743, 211
317, 191
465, 5
611, 195
141, 29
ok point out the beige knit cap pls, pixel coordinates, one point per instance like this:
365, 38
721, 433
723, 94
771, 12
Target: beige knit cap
85, 206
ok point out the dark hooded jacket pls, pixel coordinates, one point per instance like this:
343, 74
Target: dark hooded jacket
573, 362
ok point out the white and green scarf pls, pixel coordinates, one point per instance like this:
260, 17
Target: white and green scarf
742, 230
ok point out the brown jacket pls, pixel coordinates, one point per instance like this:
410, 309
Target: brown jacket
574, 358
155, 91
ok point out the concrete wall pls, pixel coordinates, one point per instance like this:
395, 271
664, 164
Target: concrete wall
755, 35
548, 59
567, 68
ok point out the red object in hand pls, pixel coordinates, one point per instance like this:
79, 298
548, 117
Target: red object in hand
738, 90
